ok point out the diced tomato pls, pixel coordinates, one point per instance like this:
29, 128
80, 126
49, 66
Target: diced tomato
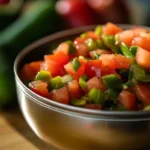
138, 31
75, 74
143, 42
60, 95
63, 47
97, 83
78, 40
99, 52
111, 29
54, 63
91, 34
93, 106
93, 68
108, 63
29, 71
128, 100
143, 57
122, 61
74, 89
126, 37
82, 50
143, 92
40, 88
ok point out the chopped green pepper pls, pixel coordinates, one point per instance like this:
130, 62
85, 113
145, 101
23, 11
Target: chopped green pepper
127, 85
109, 42
82, 82
112, 82
79, 102
96, 56
43, 75
56, 83
100, 44
133, 50
112, 95
76, 64
91, 44
123, 72
139, 74
125, 51
72, 49
83, 35
98, 30
96, 96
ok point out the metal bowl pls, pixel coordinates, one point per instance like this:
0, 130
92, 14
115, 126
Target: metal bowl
71, 128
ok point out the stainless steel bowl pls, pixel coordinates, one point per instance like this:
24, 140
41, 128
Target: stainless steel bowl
71, 128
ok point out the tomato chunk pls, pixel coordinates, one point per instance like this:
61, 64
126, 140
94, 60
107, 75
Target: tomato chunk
143, 93
111, 29
55, 63
143, 57
128, 100
40, 88
74, 89
97, 83
93, 68
60, 95
29, 71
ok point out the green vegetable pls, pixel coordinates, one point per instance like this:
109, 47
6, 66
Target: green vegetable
82, 82
127, 85
98, 30
76, 64
34, 23
79, 102
91, 44
109, 42
112, 82
139, 74
83, 35
7, 83
56, 83
66, 78
100, 44
96, 56
43, 75
96, 96
133, 50
72, 49
112, 95
123, 72
125, 51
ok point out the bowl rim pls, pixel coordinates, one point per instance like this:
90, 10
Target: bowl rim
64, 107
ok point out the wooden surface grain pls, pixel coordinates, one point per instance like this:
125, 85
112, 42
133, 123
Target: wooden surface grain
15, 134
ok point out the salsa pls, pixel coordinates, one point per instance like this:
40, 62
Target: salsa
107, 68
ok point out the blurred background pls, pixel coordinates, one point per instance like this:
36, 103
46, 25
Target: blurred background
25, 21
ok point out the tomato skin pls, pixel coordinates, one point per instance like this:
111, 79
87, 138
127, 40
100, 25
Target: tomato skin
111, 29
29, 71
143, 42
143, 93
128, 100
74, 89
54, 63
60, 95
143, 57
98, 51
126, 37
40, 88
97, 83
93, 68
82, 50
75, 74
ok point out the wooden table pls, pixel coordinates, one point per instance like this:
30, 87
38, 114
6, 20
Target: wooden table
15, 134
